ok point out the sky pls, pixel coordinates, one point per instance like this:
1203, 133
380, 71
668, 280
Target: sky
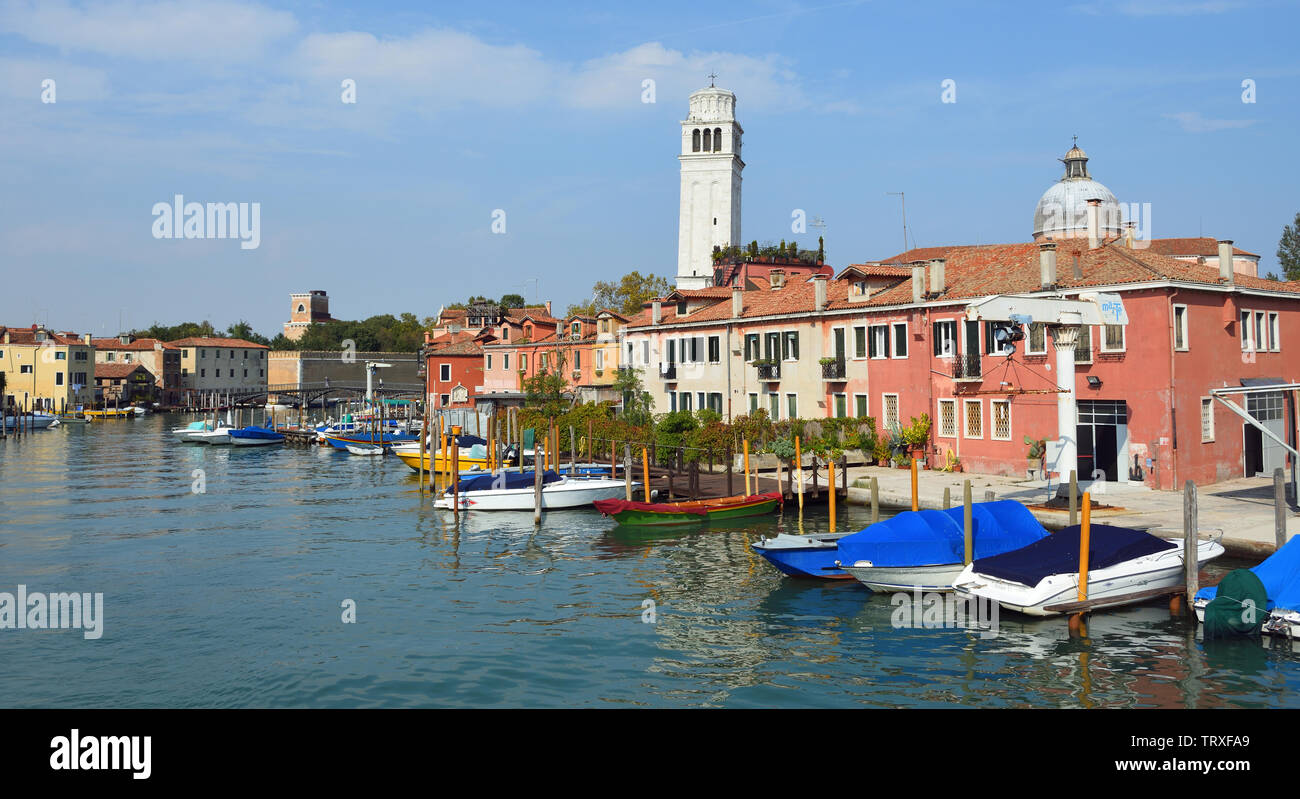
537, 110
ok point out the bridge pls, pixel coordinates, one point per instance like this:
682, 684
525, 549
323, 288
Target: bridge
305, 394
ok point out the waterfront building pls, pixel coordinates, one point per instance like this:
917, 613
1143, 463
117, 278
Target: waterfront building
306, 309
583, 350
454, 368
294, 367
211, 365
46, 369
490, 316
125, 384
163, 361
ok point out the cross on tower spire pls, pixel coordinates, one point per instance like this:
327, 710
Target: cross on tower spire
712, 77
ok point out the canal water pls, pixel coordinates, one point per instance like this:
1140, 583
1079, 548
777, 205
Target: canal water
234, 597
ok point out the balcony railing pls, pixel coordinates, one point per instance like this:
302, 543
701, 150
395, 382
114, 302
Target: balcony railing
769, 371
668, 371
834, 370
966, 366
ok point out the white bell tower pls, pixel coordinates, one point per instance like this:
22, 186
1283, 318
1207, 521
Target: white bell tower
710, 201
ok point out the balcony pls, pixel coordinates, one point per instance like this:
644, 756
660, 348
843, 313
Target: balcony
770, 371
667, 371
966, 366
833, 370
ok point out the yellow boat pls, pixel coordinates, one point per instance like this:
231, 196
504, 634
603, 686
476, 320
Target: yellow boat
411, 457
122, 413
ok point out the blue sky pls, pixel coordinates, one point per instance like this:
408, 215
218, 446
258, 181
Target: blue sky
536, 109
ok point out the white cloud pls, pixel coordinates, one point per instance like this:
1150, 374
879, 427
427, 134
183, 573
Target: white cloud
1194, 122
1158, 8
157, 30
22, 79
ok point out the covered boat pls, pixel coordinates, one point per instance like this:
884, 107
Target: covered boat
1121, 562
926, 549
254, 436
661, 513
342, 440
517, 491
1280, 576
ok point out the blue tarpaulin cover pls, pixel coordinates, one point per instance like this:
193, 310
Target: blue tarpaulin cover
487, 481
935, 537
1059, 553
1280, 574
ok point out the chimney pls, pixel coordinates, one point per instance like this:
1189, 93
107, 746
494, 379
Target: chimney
1094, 211
1226, 273
937, 276
428, 338
1047, 265
918, 282
656, 312
85, 338
776, 278
819, 293
548, 307
1078, 267
737, 302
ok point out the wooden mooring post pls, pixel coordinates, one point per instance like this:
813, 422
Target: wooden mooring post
1074, 497
627, 470
830, 464
1279, 507
947, 498
1191, 532
875, 499
537, 481
1076, 622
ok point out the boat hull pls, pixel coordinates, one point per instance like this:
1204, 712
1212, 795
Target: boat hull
936, 577
673, 513
557, 495
441, 465
39, 421
803, 556
342, 441
1111, 585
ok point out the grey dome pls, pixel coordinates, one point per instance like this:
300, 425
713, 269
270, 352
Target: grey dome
1062, 211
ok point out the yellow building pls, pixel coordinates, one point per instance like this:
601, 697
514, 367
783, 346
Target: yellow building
219, 365
46, 369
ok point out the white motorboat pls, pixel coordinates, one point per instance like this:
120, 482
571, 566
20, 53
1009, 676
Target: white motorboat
516, 491
1121, 562
365, 449
37, 420
216, 436
188, 432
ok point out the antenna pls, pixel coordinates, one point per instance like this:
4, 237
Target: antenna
902, 200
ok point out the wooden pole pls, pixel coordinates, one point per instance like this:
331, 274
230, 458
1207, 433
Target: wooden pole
989, 496
613, 460
947, 497
591, 443
627, 470
1084, 532
830, 465
916, 505
967, 524
875, 499
730, 461
455, 478
573, 452
537, 484
420, 472
798, 473
1279, 507
1074, 497
645, 472
1191, 577
746, 444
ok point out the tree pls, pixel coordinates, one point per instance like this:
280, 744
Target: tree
545, 390
243, 330
636, 400
512, 301
625, 297
1288, 250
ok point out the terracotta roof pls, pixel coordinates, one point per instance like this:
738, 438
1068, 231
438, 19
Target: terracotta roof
980, 271
140, 344
876, 270
457, 348
918, 254
116, 371
711, 292
26, 335
1194, 246
204, 341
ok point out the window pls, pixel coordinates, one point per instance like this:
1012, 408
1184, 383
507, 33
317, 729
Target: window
900, 339
58, 378
774, 405
112, 356
444, 371
79, 378
505, 333
715, 402
63, 356
945, 338
80, 355
541, 361
708, 140
245, 354
974, 418
1261, 333
576, 329
203, 373
245, 373
1036, 341
1112, 338
1207, 420
681, 306
685, 402
216, 354
715, 349
1001, 410
700, 400
751, 347
1083, 347
841, 406
1244, 325
859, 342
695, 140
753, 402
260, 373
717, 140
1274, 332
790, 345
890, 404
600, 359
879, 344
947, 418
1180, 327
645, 352
859, 405
487, 362
505, 361
792, 406
523, 362
672, 401
577, 359
444, 400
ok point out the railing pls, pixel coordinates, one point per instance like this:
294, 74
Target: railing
668, 371
834, 370
966, 366
770, 371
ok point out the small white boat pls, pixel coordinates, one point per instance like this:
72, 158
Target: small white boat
38, 420
188, 432
365, 449
1122, 562
217, 436
516, 491
904, 578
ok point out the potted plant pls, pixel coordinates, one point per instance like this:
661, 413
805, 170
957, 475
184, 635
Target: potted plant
917, 435
1035, 455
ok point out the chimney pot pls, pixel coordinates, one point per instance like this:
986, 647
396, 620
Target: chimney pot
1094, 212
1047, 265
819, 292
918, 282
937, 276
1078, 267
1226, 273
776, 278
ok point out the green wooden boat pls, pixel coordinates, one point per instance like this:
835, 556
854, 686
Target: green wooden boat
688, 512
